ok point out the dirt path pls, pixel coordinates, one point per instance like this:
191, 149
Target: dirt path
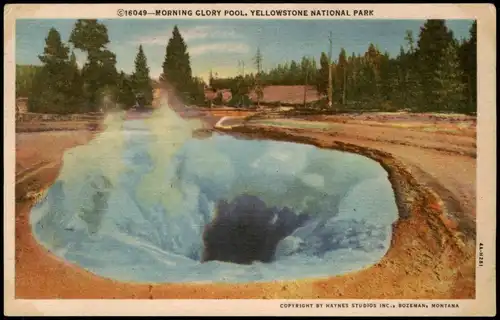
428, 258
31, 172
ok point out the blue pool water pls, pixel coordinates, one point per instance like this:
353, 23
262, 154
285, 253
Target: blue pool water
132, 205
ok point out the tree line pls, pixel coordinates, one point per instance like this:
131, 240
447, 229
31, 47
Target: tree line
177, 72
434, 73
60, 86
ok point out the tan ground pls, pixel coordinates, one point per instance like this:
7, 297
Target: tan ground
432, 251
37, 126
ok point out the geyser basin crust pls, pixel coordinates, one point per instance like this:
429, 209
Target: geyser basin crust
130, 227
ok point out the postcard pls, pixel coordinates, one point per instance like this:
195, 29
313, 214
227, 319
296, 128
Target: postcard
250, 159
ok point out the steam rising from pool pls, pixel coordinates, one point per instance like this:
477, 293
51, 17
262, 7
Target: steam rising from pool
134, 205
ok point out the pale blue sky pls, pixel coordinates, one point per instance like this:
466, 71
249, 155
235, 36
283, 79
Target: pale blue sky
219, 44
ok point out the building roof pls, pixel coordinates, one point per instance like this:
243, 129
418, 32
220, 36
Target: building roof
287, 94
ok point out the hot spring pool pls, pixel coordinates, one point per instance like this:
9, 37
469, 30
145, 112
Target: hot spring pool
143, 206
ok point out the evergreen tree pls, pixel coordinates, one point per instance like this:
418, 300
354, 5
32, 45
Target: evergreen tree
434, 73
308, 71
388, 78
410, 83
285, 72
99, 73
125, 91
352, 78
410, 41
51, 86
89, 35
366, 83
400, 94
322, 77
334, 85
293, 73
141, 79
468, 59
448, 93
341, 77
177, 70
433, 44
373, 59
471, 69
312, 71
304, 70
176, 66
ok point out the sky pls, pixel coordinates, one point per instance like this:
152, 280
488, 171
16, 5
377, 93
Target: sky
220, 44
